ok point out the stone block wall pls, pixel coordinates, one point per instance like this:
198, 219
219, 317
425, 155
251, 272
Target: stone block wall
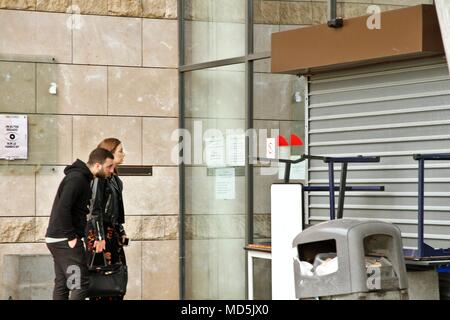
156, 9
305, 12
115, 66
26, 277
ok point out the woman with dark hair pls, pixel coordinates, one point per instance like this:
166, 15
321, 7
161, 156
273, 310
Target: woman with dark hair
109, 212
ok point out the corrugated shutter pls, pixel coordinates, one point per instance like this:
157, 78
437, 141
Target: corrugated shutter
393, 111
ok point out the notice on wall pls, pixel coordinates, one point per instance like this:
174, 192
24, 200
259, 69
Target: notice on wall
15, 137
225, 184
443, 13
214, 151
235, 150
298, 170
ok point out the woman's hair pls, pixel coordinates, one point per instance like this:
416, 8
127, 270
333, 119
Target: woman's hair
110, 144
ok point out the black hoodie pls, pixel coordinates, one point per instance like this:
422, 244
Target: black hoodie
71, 204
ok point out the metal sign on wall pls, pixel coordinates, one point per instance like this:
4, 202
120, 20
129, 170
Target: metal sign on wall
15, 137
443, 12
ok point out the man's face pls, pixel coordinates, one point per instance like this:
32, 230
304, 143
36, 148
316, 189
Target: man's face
105, 170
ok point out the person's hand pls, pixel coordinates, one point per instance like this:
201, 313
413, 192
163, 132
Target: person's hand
73, 243
99, 246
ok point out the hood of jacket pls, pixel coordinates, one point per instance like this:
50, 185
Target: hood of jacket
79, 166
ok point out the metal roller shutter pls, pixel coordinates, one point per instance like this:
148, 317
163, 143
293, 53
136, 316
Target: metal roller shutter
393, 111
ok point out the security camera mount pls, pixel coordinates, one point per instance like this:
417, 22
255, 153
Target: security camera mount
336, 23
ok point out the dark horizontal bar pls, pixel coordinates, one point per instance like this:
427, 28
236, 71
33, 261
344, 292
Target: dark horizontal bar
352, 159
310, 157
348, 188
259, 55
303, 157
436, 156
136, 170
278, 160
292, 161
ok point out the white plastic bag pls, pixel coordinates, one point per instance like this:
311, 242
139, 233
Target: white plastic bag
306, 269
327, 267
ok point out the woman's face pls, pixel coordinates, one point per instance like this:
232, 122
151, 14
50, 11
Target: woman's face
119, 155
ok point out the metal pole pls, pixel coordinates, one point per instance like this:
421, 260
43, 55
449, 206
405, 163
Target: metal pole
287, 172
331, 189
249, 118
342, 190
249, 125
181, 124
420, 245
332, 9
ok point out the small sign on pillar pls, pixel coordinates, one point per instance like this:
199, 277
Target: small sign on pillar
14, 144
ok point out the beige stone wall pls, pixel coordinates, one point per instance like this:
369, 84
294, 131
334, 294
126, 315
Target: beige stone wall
305, 12
116, 76
156, 9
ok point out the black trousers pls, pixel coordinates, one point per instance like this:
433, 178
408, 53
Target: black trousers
71, 273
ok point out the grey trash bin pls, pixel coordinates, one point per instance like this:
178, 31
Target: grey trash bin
350, 259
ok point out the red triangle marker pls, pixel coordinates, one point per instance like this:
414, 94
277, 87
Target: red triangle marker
296, 140
282, 142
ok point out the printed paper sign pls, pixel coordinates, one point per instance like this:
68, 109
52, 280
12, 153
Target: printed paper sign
236, 150
15, 137
225, 184
214, 151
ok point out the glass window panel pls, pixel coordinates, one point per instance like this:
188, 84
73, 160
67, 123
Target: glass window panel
214, 30
215, 183
279, 109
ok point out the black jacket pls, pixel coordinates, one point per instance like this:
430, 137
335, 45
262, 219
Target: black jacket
71, 204
108, 202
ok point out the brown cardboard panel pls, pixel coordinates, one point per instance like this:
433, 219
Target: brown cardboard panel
405, 33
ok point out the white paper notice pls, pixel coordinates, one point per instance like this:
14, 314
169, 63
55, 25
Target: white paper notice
15, 137
214, 151
236, 150
298, 170
443, 13
225, 184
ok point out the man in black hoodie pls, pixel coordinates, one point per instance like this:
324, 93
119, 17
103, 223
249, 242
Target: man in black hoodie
68, 221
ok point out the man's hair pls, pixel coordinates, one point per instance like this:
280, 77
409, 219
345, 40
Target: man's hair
99, 155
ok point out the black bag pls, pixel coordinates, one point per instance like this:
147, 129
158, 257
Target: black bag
107, 280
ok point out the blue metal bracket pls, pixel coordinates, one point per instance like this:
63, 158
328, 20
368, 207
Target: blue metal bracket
331, 187
423, 250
